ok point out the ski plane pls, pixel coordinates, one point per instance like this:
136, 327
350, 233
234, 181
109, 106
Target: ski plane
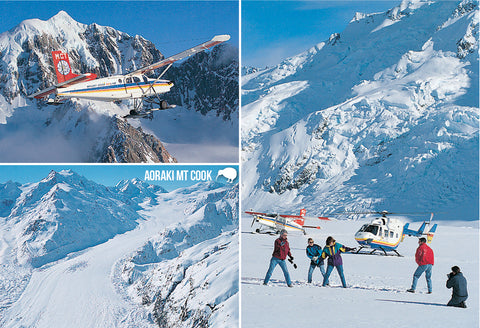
274, 223
134, 85
385, 233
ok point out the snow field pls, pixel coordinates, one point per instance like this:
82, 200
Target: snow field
376, 296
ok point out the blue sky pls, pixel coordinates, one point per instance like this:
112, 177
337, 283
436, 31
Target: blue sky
172, 26
275, 30
110, 175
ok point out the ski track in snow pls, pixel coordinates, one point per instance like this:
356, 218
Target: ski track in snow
82, 289
376, 295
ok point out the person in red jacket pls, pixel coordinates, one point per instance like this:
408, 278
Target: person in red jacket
424, 259
280, 252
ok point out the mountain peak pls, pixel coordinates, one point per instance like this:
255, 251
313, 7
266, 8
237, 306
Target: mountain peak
61, 15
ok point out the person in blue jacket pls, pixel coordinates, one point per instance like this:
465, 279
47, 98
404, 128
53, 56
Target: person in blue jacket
333, 249
457, 281
314, 253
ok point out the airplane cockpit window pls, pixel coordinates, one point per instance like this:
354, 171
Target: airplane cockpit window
145, 79
136, 79
372, 229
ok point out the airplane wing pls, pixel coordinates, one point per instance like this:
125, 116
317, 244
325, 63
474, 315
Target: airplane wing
184, 54
77, 79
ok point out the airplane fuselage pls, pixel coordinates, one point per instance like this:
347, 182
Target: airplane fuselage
278, 223
117, 87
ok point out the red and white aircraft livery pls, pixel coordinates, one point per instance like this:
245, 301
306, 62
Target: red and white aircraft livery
134, 85
277, 222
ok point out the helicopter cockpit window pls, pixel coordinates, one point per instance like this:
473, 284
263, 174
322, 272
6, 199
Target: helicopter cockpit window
372, 229
363, 227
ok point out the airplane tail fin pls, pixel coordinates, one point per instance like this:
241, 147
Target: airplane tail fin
62, 66
431, 233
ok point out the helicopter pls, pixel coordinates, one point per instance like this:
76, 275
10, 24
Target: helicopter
385, 233
274, 223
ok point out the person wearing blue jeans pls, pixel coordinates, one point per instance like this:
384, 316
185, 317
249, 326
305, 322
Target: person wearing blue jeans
425, 259
333, 251
340, 273
280, 252
427, 268
314, 253
283, 265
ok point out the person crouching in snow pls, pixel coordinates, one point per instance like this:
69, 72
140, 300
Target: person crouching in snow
280, 251
457, 281
425, 259
333, 250
314, 253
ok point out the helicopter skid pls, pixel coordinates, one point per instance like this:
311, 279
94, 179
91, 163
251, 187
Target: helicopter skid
381, 252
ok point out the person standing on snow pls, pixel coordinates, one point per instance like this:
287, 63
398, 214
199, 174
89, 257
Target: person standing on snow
457, 281
424, 258
333, 250
314, 253
280, 251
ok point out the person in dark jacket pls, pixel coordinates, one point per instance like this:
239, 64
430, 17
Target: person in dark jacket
425, 259
333, 249
457, 281
280, 252
314, 253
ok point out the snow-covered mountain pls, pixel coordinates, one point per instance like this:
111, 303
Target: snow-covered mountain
185, 291
381, 116
84, 131
67, 240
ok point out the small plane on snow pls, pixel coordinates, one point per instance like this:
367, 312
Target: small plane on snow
134, 85
276, 222
386, 233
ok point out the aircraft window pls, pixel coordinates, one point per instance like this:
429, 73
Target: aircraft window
391, 234
386, 233
145, 79
363, 227
372, 229
129, 80
396, 235
120, 81
136, 79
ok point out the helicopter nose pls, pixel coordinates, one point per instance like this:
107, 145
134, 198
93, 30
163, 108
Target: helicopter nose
369, 240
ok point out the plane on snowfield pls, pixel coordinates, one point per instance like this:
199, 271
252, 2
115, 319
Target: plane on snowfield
134, 85
274, 223
385, 234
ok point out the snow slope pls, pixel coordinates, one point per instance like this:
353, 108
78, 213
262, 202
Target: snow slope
90, 287
381, 116
376, 295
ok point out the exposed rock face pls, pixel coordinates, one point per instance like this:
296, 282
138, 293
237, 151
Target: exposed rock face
207, 82
126, 144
